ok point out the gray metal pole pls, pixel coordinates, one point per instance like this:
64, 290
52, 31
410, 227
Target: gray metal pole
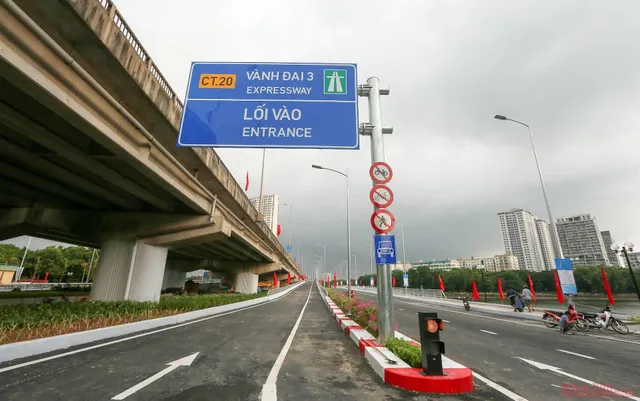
291, 226
264, 152
552, 223
24, 256
385, 292
370, 257
348, 241
93, 254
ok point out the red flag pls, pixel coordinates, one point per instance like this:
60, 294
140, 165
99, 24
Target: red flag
275, 279
288, 278
533, 292
279, 230
335, 280
559, 293
607, 287
393, 281
441, 283
474, 291
246, 182
500, 289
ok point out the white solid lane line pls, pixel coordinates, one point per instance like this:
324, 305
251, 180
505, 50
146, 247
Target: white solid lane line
401, 309
576, 354
446, 321
489, 332
269, 390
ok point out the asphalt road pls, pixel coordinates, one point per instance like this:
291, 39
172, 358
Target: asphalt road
236, 354
492, 346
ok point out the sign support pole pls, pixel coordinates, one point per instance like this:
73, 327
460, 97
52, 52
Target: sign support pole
264, 151
386, 329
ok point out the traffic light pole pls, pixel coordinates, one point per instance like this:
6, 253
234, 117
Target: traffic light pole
386, 329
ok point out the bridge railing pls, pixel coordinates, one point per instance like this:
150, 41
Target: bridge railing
207, 155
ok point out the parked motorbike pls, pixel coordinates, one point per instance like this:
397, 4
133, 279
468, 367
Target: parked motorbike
577, 320
465, 302
605, 319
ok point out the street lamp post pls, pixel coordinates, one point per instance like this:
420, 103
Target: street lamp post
625, 249
324, 257
370, 257
554, 233
484, 287
346, 176
290, 226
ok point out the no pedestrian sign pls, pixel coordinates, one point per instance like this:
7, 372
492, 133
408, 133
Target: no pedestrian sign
382, 221
269, 105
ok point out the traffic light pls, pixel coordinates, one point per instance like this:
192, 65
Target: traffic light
432, 348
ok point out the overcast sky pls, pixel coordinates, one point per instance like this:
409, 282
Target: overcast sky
570, 69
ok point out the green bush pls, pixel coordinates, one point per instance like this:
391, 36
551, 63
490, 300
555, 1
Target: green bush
410, 354
36, 315
635, 319
40, 294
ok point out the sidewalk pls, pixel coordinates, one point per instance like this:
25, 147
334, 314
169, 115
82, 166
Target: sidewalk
494, 309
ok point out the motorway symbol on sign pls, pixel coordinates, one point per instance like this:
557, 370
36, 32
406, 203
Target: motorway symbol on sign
269, 105
382, 221
381, 196
385, 249
380, 172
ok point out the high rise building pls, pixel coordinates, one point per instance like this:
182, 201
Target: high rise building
270, 205
581, 241
614, 258
546, 245
520, 238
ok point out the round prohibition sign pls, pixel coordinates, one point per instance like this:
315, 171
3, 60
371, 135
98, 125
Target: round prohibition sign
381, 196
382, 221
380, 172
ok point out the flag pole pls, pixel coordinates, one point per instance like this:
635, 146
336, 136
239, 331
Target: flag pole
261, 182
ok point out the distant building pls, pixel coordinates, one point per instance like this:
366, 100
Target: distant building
445, 265
546, 244
270, 209
634, 258
614, 258
520, 238
581, 241
497, 263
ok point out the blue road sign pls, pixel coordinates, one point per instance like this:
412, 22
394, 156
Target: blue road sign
564, 269
405, 279
385, 249
288, 248
269, 105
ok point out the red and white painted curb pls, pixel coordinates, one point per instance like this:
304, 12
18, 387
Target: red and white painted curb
392, 370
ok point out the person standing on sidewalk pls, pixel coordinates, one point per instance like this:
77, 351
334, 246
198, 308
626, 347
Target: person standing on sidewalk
527, 296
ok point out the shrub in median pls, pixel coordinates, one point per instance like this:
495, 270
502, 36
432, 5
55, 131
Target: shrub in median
409, 353
26, 322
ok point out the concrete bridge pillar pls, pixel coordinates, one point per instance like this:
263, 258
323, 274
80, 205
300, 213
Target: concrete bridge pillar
148, 273
116, 265
173, 277
245, 282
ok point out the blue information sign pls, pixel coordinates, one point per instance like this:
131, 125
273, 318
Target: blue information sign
385, 249
269, 105
405, 279
564, 268
288, 248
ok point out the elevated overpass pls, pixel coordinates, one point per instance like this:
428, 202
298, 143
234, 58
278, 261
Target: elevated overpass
88, 127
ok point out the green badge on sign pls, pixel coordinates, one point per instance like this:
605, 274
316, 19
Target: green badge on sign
335, 82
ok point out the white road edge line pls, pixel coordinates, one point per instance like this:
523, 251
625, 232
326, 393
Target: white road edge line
446, 321
49, 358
269, 390
575, 353
611, 338
495, 386
489, 332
